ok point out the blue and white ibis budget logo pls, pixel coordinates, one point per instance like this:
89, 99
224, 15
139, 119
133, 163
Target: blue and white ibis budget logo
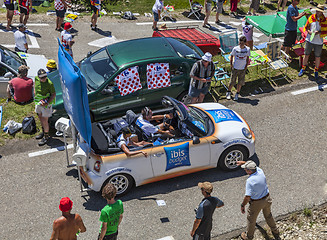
221, 115
178, 156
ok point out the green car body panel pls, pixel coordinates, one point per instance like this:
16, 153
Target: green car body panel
101, 67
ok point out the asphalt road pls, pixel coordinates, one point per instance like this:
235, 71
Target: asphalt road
290, 147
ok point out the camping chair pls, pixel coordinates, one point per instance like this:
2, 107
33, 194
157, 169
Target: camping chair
220, 78
166, 12
275, 60
195, 9
227, 41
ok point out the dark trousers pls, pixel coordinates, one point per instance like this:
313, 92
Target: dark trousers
110, 237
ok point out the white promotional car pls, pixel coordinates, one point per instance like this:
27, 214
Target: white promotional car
208, 135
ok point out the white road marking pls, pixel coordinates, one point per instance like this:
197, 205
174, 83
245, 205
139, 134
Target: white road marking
167, 238
47, 151
235, 23
32, 38
102, 42
167, 22
306, 90
32, 24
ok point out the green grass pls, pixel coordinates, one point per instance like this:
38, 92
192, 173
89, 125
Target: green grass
13, 111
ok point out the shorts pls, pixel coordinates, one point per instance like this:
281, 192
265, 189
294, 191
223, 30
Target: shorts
255, 4
10, 7
208, 7
110, 237
155, 16
24, 10
238, 74
60, 13
220, 7
194, 92
311, 46
94, 9
44, 112
290, 38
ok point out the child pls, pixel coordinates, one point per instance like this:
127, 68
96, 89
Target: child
248, 33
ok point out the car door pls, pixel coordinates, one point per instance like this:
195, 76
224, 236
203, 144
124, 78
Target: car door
178, 73
180, 157
110, 102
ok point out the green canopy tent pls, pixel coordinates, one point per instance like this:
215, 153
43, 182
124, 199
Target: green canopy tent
273, 25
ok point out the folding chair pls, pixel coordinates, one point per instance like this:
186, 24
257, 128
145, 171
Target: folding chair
220, 78
166, 12
195, 9
227, 41
276, 61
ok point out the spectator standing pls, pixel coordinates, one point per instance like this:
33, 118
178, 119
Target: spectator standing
20, 39
51, 65
248, 33
207, 7
219, 10
203, 220
280, 3
292, 17
233, 8
316, 28
239, 61
95, 8
254, 6
21, 87
67, 39
10, 13
44, 97
60, 7
156, 10
68, 225
111, 215
25, 6
257, 195
201, 75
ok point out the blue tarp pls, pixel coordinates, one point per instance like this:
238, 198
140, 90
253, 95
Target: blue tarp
74, 93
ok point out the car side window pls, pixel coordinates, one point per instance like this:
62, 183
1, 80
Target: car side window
3, 70
176, 70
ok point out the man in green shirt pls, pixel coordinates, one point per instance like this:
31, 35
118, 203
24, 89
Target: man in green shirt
44, 97
111, 215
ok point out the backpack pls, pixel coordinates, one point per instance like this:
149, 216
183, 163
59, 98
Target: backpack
29, 125
129, 15
119, 124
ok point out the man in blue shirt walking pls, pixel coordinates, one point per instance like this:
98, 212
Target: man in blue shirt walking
292, 17
257, 195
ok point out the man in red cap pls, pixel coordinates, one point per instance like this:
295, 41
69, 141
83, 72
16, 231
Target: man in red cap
67, 39
68, 225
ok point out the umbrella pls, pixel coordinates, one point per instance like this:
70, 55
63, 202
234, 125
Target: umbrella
273, 25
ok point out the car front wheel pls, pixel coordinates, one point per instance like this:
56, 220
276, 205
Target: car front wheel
230, 156
122, 182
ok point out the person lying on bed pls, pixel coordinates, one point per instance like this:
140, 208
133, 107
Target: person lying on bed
127, 139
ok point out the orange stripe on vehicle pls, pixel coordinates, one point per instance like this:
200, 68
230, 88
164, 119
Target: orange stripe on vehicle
85, 176
175, 174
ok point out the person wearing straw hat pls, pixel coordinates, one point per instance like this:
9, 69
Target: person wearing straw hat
201, 75
316, 28
68, 225
203, 220
257, 195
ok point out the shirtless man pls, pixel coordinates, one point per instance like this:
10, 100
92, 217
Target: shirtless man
68, 225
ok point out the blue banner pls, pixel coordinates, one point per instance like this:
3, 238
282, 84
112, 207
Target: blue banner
178, 156
74, 93
221, 115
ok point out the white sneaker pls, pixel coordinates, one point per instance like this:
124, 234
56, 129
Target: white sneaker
228, 95
249, 13
236, 97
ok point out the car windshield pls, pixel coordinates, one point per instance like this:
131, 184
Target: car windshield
98, 68
184, 48
11, 59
